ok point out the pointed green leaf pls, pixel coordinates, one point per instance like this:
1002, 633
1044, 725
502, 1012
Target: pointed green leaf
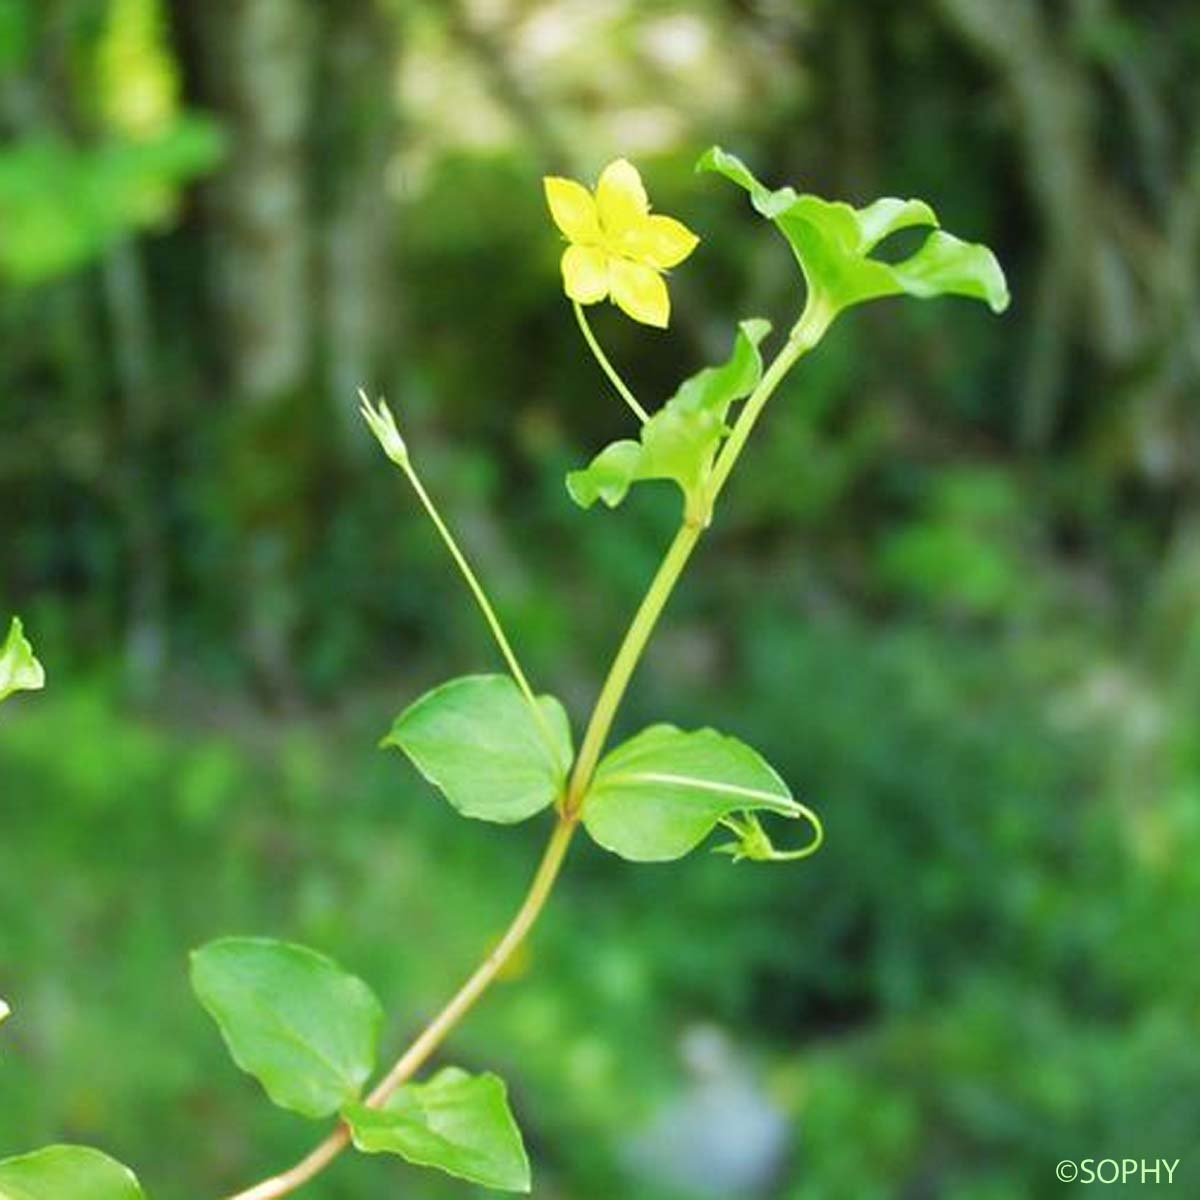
946, 266
459, 1123
769, 203
832, 242
715, 388
680, 441
302, 1026
660, 794
67, 1173
19, 670
478, 741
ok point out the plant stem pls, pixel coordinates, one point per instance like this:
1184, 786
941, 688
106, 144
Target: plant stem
435, 1032
606, 366
627, 660
806, 333
464, 999
804, 336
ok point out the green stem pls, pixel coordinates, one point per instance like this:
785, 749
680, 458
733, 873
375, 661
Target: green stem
805, 335
485, 605
606, 366
464, 999
627, 660
436, 1031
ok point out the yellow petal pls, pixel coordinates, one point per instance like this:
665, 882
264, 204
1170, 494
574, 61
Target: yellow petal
621, 198
659, 241
639, 291
573, 209
585, 273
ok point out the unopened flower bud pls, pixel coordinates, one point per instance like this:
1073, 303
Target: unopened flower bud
383, 426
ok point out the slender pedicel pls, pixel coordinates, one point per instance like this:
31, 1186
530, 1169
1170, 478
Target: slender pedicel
383, 426
606, 366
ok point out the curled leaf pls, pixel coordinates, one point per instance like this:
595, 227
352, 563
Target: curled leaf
754, 845
680, 441
833, 241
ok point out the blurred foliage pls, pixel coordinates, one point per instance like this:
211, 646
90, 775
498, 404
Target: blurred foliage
953, 595
60, 207
63, 203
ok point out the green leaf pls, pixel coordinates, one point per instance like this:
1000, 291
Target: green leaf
477, 740
295, 1020
459, 1123
887, 216
67, 1173
680, 441
946, 266
19, 670
832, 242
660, 794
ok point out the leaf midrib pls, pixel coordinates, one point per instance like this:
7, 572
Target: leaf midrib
781, 803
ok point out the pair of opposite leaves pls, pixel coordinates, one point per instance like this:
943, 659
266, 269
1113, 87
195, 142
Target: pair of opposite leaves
652, 799
308, 1031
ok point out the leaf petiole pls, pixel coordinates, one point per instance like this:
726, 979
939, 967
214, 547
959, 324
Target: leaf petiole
383, 426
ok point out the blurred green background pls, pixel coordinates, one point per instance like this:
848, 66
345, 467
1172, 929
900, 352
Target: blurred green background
952, 595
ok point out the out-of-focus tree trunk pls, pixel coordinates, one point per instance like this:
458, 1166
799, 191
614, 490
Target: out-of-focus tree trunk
1051, 108
261, 55
1108, 271
356, 135
303, 269
259, 58
854, 104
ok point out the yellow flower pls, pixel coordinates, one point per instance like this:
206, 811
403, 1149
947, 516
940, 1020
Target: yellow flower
617, 248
